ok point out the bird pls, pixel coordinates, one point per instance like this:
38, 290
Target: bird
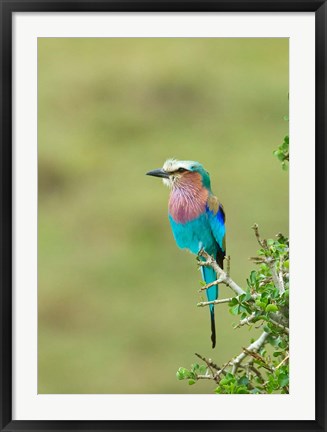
197, 218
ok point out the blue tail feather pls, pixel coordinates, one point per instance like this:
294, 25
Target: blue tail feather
209, 276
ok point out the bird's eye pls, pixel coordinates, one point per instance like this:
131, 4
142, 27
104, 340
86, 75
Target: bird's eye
180, 170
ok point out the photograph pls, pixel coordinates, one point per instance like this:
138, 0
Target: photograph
163, 215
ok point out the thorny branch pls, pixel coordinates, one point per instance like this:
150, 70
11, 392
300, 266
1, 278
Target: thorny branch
281, 326
246, 320
262, 243
277, 319
277, 279
215, 302
211, 366
223, 277
258, 357
253, 348
215, 370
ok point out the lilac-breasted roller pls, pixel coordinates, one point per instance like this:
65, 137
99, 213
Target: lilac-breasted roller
196, 217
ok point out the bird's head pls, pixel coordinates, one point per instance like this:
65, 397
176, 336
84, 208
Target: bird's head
175, 173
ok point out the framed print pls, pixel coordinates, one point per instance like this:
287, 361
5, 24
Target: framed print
107, 322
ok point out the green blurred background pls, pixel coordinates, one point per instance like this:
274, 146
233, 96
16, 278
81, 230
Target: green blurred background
116, 297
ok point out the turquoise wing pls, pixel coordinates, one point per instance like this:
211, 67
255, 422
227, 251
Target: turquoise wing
216, 217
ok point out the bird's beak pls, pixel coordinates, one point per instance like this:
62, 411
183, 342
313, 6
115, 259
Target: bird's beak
158, 173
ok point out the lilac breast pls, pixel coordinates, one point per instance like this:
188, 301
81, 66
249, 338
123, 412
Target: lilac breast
185, 206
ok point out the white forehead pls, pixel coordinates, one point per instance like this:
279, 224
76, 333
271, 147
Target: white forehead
172, 165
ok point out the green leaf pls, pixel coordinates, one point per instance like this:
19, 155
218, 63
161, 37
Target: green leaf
265, 295
273, 340
260, 304
244, 381
283, 344
229, 376
233, 302
253, 277
243, 308
241, 298
267, 329
181, 373
283, 379
234, 310
262, 317
242, 390
191, 381
271, 308
280, 156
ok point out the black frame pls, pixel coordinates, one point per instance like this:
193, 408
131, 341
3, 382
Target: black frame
7, 7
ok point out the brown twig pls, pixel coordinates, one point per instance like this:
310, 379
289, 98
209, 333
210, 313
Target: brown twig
259, 358
210, 365
257, 372
262, 243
